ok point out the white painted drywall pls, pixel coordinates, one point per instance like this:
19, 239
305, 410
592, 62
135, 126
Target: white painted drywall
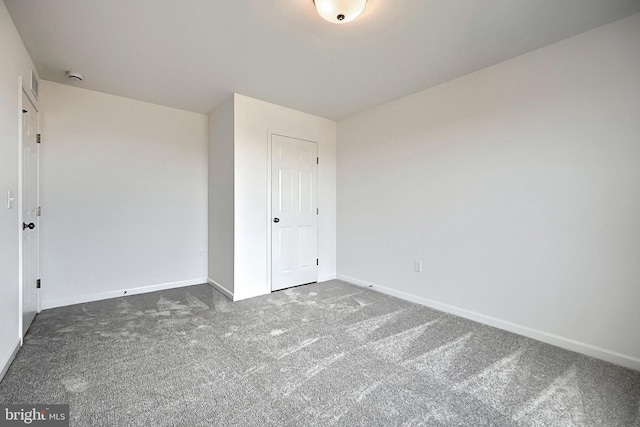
254, 119
221, 154
15, 63
124, 195
517, 186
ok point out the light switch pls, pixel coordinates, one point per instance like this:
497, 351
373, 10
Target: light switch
10, 200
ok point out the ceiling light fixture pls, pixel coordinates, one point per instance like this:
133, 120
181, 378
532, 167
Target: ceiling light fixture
75, 76
340, 11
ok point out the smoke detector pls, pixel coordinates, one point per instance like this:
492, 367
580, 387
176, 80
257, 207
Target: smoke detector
75, 76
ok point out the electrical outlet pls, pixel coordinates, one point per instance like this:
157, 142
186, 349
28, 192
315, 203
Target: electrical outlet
417, 266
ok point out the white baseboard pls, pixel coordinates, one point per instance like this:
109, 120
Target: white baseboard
80, 299
221, 288
235, 297
9, 359
559, 341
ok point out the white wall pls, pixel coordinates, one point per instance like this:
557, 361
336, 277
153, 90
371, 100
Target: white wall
221, 196
518, 186
124, 196
254, 120
15, 63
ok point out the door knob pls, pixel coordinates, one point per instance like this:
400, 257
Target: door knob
30, 226
276, 219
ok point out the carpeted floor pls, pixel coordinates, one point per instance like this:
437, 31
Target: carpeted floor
317, 355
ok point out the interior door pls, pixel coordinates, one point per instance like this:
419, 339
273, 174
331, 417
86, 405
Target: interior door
30, 223
294, 233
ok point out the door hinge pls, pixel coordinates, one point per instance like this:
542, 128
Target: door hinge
317, 160
38, 138
39, 211
317, 262
317, 211
38, 284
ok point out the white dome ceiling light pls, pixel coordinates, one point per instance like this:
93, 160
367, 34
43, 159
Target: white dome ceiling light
340, 11
75, 76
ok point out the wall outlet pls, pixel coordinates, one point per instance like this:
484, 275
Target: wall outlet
417, 266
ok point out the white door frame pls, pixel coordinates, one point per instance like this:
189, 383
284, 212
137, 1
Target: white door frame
270, 134
23, 91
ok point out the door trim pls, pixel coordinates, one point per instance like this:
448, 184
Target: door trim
307, 138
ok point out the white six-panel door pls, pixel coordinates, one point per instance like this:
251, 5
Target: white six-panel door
294, 216
30, 223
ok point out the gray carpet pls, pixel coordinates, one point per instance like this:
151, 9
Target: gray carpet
318, 355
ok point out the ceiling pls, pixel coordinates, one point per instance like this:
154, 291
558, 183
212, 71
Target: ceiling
193, 54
